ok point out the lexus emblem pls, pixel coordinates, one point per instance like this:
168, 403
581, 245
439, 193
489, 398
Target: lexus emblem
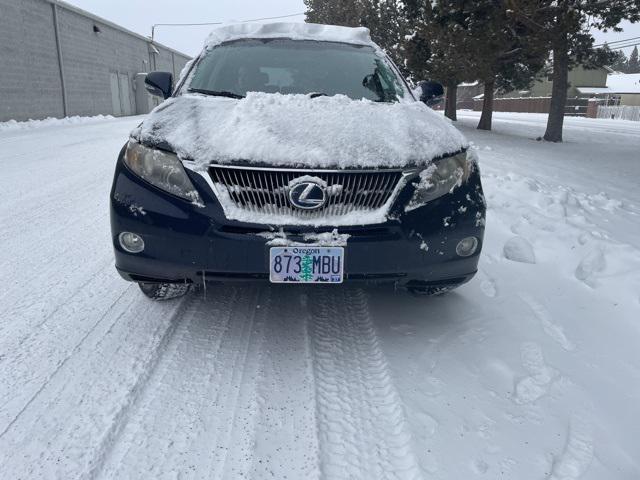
308, 195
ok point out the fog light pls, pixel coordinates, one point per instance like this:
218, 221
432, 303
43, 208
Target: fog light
467, 246
131, 242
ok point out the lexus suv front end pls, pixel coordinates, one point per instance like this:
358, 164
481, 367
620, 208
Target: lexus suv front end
294, 153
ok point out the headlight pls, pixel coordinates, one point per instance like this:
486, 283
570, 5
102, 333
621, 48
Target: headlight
440, 178
161, 169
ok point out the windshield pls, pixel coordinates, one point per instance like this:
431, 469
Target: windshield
296, 66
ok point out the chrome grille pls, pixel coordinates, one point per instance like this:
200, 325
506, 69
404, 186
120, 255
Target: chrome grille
266, 190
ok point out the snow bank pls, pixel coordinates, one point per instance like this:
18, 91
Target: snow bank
295, 130
13, 125
518, 249
295, 31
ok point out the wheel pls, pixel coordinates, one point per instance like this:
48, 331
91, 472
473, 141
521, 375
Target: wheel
164, 291
431, 291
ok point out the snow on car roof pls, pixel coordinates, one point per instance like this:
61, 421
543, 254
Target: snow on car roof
296, 31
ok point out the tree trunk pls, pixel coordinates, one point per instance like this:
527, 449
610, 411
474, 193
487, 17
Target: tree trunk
451, 102
559, 90
487, 106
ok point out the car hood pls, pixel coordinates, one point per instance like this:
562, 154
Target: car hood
298, 131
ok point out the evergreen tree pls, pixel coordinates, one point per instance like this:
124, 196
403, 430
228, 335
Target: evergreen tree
506, 53
566, 24
348, 13
633, 66
438, 46
619, 61
457, 40
384, 18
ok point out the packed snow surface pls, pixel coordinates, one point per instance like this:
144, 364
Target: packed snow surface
296, 130
529, 372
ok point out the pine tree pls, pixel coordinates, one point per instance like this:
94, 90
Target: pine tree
348, 13
455, 41
566, 24
633, 66
506, 54
384, 18
438, 45
619, 61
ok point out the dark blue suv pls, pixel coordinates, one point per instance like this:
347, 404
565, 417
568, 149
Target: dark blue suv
294, 153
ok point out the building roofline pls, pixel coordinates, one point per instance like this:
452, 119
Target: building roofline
108, 23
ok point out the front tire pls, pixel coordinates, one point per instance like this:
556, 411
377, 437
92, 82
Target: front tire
431, 291
164, 291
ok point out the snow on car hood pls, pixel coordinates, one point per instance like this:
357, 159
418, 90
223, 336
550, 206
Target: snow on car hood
298, 131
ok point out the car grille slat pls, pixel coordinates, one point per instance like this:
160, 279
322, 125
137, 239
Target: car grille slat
380, 197
266, 190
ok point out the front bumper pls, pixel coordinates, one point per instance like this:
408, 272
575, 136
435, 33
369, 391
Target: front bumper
184, 242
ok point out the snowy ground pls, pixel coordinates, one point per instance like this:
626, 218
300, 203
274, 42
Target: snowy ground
531, 371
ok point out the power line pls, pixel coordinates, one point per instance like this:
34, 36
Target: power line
626, 46
153, 27
617, 41
622, 47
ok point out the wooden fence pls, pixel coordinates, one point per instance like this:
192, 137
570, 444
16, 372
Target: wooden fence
574, 107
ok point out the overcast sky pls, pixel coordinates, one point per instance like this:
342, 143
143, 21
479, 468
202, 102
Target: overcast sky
139, 15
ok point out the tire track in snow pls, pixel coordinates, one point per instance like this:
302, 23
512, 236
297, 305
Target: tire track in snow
103, 288
286, 439
361, 423
196, 416
59, 430
13, 380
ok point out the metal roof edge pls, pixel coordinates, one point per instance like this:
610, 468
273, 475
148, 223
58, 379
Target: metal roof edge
108, 23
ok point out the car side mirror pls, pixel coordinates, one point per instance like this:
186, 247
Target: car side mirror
159, 84
430, 92
369, 82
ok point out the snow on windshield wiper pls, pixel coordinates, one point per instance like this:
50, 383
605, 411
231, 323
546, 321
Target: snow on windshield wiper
216, 93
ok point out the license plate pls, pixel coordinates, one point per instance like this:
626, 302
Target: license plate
308, 264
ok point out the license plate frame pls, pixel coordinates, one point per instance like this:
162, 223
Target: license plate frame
317, 268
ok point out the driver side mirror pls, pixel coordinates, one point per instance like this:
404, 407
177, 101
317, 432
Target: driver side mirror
430, 92
159, 84
372, 83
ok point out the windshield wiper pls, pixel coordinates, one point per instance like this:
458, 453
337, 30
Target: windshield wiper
215, 93
317, 94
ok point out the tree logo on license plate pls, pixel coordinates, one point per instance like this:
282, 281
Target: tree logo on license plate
306, 268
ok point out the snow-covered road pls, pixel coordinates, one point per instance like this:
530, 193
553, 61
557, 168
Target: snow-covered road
531, 371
